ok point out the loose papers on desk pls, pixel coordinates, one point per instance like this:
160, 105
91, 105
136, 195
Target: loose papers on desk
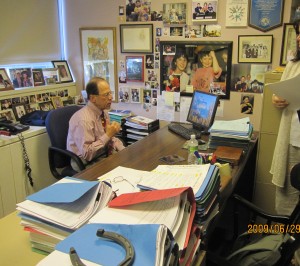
174, 208
152, 243
68, 203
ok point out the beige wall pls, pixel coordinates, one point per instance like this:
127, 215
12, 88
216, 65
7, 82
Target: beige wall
102, 13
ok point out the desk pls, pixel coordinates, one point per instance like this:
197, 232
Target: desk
142, 155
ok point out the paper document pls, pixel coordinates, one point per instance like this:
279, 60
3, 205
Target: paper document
288, 89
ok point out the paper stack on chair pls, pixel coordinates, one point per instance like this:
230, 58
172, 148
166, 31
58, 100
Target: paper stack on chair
234, 133
56, 211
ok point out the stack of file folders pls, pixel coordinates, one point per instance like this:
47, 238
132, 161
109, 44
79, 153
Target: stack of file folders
54, 212
234, 133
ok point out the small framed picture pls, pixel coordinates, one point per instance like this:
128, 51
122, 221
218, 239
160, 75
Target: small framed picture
5, 83
288, 45
51, 75
63, 70
56, 102
255, 49
21, 77
38, 77
135, 68
8, 114
135, 95
19, 110
46, 106
204, 11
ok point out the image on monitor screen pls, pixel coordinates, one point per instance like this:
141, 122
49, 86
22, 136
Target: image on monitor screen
203, 110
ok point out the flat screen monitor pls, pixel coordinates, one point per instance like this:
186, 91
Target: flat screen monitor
203, 110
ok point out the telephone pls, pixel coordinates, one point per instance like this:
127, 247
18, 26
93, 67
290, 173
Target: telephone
7, 127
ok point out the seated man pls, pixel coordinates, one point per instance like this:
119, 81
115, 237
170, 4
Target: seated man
90, 130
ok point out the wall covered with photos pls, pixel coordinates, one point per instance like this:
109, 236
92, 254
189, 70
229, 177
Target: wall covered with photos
177, 21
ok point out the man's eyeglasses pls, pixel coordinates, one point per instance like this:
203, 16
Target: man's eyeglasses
106, 94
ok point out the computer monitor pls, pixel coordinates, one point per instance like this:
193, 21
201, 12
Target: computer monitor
203, 110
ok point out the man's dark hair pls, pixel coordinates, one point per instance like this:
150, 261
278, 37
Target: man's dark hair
92, 86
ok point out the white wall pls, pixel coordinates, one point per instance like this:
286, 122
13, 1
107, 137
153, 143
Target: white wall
102, 13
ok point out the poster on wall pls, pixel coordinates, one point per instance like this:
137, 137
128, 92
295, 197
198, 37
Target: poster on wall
265, 15
236, 13
98, 48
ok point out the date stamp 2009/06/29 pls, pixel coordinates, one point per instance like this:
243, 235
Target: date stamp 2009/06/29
273, 228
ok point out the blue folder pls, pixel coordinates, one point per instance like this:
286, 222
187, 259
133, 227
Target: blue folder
61, 192
106, 252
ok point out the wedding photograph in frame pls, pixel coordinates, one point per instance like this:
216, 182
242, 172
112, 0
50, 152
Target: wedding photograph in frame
135, 68
188, 66
99, 58
255, 49
136, 38
63, 70
5, 82
288, 46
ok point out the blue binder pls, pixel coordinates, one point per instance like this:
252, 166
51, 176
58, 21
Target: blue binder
103, 251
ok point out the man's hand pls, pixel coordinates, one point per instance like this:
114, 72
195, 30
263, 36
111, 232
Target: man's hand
112, 129
279, 102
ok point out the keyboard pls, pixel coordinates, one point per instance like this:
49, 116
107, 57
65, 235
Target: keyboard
183, 131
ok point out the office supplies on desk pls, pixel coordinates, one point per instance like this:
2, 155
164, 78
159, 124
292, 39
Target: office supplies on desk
174, 208
153, 244
69, 203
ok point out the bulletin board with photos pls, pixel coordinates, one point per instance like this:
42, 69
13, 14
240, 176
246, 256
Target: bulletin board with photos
204, 66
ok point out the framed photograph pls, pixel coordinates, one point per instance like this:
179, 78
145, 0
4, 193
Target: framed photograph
56, 102
8, 114
288, 46
21, 77
136, 38
38, 77
51, 76
204, 11
135, 68
135, 95
63, 71
46, 106
5, 83
255, 49
188, 66
99, 56
19, 110
174, 13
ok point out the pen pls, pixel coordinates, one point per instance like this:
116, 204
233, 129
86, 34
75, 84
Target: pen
75, 258
199, 157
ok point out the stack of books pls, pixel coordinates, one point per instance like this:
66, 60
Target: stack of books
233, 133
135, 128
118, 115
54, 212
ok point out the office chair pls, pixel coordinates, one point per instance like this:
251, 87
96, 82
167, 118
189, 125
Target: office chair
57, 125
289, 226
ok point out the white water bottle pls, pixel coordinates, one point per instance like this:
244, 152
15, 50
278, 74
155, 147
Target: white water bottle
192, 147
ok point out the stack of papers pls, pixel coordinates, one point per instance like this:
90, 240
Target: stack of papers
153, 244
55, 211
234, 133
118, 115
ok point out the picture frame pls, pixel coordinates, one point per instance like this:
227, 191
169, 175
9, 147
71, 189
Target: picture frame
46, 106
19, 110
134, 68
288, 47
135, 95
255, 49
63, 71
56, 102
51, 76
174, 13
136, 38
5, 82
38, 77
203, 11
193, 76
8, 114
21, 77
99, 62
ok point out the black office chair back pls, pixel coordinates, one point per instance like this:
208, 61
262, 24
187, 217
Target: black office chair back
57, 125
